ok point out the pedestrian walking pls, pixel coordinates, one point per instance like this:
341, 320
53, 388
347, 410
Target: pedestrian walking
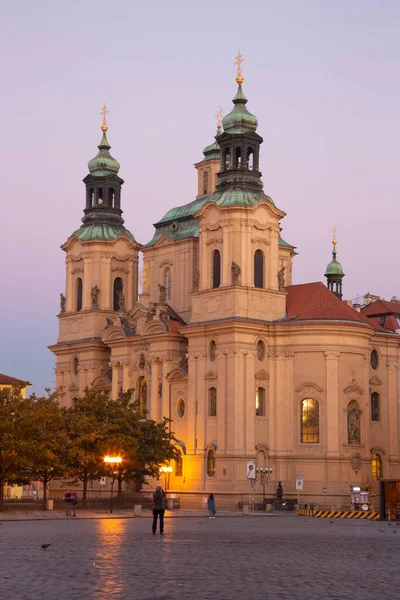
158, 509
74, 503
211, 506
68, 503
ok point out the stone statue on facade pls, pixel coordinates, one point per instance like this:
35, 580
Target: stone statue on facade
163, 294
62, 303
142, 362
163, 316
110, 322
126, 324
355, 461
281, 279
94, 294
121, 301
235, 271
151, 314
196, 280
353, 421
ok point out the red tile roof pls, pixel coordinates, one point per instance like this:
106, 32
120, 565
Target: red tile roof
314, 302
381, 307
390, 322
7, 380
174, 325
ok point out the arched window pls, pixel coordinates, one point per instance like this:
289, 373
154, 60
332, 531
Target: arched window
376, 467
118, 290
111, 195
260, 350
238, 161
180, 408
375, 412
75, 366
212, 402
79, 294
205, 182
142, 394
212, 351
89, 198
309, 421
374, 359
258, 269
250, 158
227, 161
260, 402
100, 196
353, 423
179, 466
167, 282
216, 269
211, 463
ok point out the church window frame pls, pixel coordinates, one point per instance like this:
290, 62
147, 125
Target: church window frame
212, 401
79, 294
211, 463
167, 282
376, 467
118, 286
309, 421
260, 348
205, 182
238, 157
375, 407
374, 359
178, 471
111, 197
227, 159
212, 350
260, 402
250, 158
75, 366
216, 268
259, 269
180, 408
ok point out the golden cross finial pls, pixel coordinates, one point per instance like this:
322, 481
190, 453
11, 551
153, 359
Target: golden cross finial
238, 61
334, 236
220, 112
103, 113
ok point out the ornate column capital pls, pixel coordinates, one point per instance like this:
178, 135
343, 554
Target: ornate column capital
332, 354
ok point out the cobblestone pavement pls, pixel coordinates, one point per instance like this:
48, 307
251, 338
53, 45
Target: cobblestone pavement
290, 557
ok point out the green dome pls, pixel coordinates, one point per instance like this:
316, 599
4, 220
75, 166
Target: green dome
239, 120
334, 268
103, 164
101, 231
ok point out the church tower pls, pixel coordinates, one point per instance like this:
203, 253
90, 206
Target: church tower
101, 278
334, 272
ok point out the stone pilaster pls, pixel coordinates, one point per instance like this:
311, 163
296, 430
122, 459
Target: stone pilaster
332, 404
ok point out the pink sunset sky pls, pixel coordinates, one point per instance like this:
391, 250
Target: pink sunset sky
321, 76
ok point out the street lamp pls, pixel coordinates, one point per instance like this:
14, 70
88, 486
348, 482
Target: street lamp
112, 460
166, 470
264, 474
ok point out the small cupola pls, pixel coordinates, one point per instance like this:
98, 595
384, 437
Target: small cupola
334, 271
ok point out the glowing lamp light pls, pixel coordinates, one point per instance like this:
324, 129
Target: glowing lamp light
112, 459
165, 469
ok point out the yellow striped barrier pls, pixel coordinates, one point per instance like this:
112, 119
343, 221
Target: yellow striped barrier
339, 514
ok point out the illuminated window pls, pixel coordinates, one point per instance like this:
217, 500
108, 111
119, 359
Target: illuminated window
260, 402
179, 466
376, 467
212, 402
258, 269
309, 421
375, 413
167, 283
210, 463
142, 393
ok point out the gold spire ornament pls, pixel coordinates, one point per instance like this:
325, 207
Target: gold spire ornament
238, 61
220, 112
334, 241
103, 113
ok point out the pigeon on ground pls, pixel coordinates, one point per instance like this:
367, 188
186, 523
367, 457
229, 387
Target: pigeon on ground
330, 521
382, 530
44, 546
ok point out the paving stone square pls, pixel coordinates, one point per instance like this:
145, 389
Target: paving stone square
257, 557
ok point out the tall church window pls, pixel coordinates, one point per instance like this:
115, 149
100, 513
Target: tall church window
250, 159
212, 350
111, 195
309, 421
258, 269
238, 161
118, 289
212, 402
75, 366
79, 292
100, 196
375, 416
216, 269
211, 463
260, 350
89, 198
167, 283
227, 161
179, 466
376, 467
260, 402
205, 182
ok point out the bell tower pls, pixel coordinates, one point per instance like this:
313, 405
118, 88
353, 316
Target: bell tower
334, 271
101, 278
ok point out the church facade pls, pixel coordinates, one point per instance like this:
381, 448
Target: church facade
245, 364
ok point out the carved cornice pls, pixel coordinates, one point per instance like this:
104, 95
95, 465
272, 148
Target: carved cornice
332, 354
76, 270
261, 374
211, 375
120, 257
353, 387
392, 365
309, 384
121, 268
214, 241
375, 380
260, 241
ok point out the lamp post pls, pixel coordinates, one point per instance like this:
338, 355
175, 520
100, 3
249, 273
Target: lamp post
112, 460
166, 471
264, 474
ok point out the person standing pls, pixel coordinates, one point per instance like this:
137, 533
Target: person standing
74, 503
211, 506
158, 509
68, 502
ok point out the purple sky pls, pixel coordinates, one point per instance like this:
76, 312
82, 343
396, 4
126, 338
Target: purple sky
321, 76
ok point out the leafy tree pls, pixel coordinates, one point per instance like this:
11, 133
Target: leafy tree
14, 457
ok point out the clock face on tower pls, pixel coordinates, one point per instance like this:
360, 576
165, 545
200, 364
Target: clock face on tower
100, 201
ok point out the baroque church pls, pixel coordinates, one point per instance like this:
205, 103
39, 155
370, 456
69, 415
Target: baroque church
247, 365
